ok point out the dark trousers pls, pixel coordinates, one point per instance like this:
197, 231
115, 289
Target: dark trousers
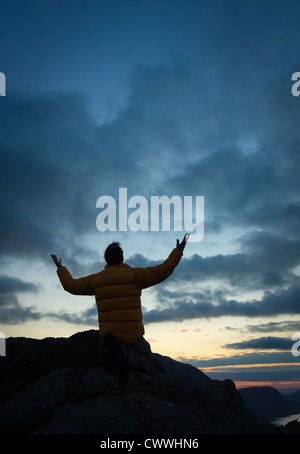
140, 356
120, 358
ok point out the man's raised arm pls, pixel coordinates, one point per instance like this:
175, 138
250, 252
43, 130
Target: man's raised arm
81, 286
153, 275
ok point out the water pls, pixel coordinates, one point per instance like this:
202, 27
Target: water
285, 419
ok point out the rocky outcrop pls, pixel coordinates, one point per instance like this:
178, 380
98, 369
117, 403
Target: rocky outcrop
71, 401
60, 387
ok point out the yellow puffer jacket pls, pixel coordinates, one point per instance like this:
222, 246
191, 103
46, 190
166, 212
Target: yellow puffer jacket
118, 289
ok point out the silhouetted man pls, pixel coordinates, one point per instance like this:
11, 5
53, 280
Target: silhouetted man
118, 289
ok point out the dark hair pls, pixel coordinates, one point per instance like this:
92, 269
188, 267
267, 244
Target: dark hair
114, 254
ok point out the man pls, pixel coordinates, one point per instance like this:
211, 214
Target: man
118, 289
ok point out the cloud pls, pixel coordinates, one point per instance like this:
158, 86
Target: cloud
10, 284
244, 359
267, 261
282, 326
40, 156
178, 307
181, 131
87, 317
271, 374
11, 309
202, 287
56, 159
208, 304
256, 190
186, 331
263, 343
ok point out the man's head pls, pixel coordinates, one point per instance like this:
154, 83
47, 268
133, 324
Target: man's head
114, 254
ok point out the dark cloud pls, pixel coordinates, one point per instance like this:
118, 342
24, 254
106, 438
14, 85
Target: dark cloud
244, 358
270, 327
139, 261
269, 366
55, 162
208, 304
263, 343
256, 190
40, 196
11, 309
86, 317
283, 373
195, 125
283, 326
267, 261
9, 284
267, 264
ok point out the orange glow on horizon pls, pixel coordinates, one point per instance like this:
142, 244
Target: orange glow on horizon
279, 384
244, 366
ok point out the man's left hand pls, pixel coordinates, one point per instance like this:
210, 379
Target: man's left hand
56, 261
181, 245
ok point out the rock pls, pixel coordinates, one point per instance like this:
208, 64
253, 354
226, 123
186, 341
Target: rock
27, 360
79, 397
35, 405
184, 373
72, 401
107, 414
96, 382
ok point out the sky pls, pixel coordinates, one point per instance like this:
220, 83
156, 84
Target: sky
183, 97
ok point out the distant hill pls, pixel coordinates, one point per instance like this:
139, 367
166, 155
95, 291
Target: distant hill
294, 397
268, 402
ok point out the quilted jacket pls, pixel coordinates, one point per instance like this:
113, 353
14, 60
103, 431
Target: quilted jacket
118, 289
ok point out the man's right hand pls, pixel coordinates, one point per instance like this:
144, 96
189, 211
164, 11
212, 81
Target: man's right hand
56, 261
181, 245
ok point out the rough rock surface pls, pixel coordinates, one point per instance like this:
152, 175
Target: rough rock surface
58, 386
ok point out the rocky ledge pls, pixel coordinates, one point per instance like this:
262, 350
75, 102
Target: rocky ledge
58, 386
